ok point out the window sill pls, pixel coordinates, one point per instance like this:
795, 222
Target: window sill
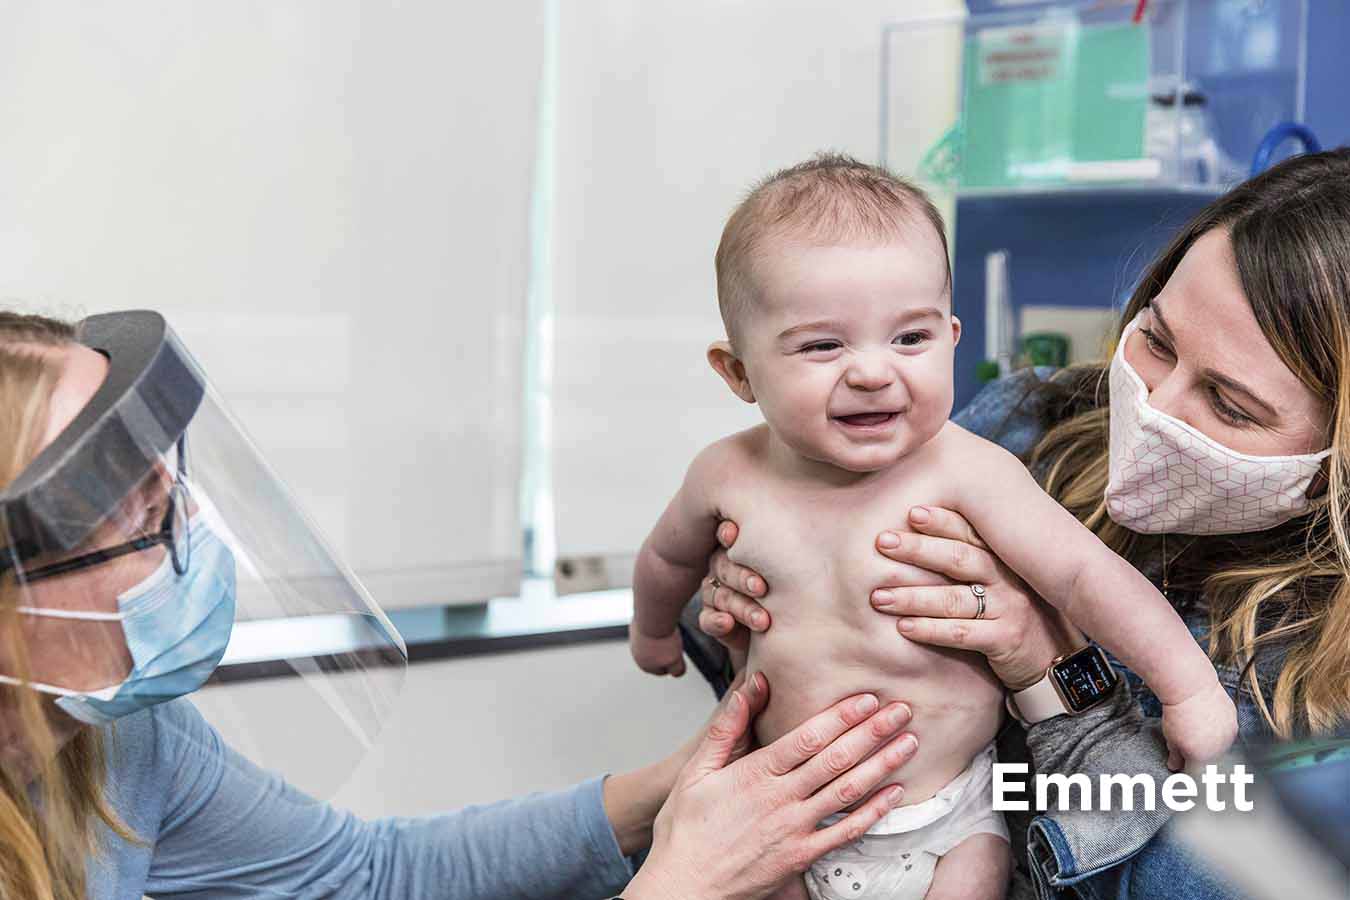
535, 619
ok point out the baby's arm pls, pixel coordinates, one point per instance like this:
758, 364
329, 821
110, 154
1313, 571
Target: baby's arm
672, 563
1100, 593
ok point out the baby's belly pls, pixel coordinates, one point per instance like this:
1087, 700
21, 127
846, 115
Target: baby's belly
814, 659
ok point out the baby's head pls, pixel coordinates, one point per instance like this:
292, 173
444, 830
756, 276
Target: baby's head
835, 288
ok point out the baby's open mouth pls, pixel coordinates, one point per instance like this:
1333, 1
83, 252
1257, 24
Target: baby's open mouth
867, 420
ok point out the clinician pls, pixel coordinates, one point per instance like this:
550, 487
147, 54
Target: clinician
137, 526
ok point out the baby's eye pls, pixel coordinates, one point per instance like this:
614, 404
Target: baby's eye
912, 338
821, 347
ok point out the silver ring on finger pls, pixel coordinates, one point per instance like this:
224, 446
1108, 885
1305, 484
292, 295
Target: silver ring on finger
714, 582
978, 591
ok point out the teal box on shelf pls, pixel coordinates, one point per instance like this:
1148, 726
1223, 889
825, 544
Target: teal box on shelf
1053, 102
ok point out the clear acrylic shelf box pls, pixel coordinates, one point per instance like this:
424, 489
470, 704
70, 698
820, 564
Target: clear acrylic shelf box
1049, 97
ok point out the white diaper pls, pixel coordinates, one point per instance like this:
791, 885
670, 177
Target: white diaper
896, 858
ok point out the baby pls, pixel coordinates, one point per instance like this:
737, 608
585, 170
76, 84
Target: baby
835, 289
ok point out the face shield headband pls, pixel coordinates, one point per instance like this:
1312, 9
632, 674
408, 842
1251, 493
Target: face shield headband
155, 470
147, 399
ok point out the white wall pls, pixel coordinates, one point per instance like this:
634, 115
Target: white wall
329, 201
484, 728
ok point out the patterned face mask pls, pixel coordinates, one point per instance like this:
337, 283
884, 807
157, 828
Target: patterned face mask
1165, 476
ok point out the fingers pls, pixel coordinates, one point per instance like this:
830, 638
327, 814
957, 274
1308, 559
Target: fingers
943, 523
857, 783
707, 592
732, 589
854, 825
727, 532
675, 669
817, 733
757, 693
955, 601
724, 628
906, 575
744, 610
728, 727
757, 696
837, 760
657, 655
714, 623
957, 560
737, 577
980, 635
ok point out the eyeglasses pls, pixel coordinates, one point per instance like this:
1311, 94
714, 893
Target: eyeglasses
173, 533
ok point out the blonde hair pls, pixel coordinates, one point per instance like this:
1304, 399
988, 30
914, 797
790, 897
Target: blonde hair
1278, 600
829, 198
44, 847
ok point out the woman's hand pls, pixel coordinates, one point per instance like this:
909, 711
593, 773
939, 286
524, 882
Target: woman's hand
1019, 633
731, 596
632, 799
736, 828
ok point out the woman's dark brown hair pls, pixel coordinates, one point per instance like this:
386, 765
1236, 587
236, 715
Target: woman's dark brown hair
1281, 592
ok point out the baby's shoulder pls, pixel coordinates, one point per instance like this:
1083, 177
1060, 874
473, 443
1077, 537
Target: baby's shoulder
965, 448
978, 466
735, 457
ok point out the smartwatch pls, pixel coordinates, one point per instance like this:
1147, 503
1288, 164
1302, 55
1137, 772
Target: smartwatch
1073, 684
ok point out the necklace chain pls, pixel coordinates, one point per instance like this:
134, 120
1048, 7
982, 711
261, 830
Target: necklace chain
1165, 561
1165, 567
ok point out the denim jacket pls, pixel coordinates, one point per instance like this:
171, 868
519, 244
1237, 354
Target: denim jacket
1070, 854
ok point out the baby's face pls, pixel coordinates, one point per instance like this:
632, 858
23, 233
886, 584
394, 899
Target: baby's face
849, 348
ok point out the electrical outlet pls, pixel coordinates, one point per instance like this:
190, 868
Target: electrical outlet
577, 574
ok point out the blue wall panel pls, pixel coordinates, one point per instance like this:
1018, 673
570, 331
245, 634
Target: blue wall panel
1065, 250
1328, 99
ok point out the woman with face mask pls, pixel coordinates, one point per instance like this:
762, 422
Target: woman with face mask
1212, 450
140, 532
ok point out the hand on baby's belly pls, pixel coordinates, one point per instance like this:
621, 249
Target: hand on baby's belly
811, 663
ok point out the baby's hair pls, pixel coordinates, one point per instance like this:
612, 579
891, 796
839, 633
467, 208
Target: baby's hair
830, 198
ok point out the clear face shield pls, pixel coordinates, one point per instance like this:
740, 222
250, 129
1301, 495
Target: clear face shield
149, 541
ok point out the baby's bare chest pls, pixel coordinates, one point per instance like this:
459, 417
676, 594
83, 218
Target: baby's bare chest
817, 550
816, 546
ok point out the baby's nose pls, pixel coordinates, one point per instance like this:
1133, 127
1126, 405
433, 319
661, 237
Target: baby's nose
869, 372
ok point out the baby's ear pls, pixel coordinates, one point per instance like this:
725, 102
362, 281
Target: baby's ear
956, 331
724, 361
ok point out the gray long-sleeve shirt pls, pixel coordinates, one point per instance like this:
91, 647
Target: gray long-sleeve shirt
214, 825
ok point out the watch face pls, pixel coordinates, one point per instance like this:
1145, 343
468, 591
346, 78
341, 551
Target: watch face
1084, 679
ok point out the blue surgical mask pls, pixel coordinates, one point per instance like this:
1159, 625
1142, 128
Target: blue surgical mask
176, 627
